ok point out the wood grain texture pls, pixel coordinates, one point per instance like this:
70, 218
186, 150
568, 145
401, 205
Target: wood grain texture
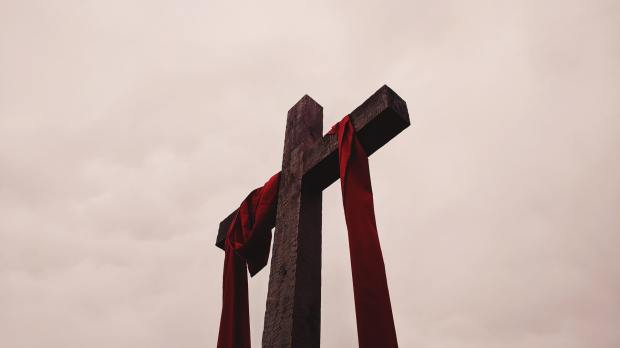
293, 312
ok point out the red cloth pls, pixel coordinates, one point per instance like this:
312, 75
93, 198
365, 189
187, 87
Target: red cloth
249, 236
373, 311
247, 244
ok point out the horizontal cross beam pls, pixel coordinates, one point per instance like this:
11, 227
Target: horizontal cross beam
379, 119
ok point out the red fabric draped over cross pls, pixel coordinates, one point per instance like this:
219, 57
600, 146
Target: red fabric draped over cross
373, 311
247, 244
249, 238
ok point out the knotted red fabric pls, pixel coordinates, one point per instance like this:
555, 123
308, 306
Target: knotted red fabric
373, 311
247, 245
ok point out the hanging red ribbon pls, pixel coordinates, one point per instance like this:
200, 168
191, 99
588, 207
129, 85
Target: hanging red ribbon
247, 245
249, 238
373, 311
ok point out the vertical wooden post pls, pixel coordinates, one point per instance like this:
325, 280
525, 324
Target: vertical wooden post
293, 314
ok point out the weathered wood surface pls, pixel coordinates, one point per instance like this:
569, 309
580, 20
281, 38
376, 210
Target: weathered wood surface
293, 312
310, 164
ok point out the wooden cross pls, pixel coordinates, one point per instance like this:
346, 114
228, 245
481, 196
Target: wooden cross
309, 165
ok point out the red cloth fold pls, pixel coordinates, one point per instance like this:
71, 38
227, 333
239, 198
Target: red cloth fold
249, 238
247, 245
373, 311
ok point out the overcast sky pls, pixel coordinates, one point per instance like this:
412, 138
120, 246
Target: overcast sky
129, 129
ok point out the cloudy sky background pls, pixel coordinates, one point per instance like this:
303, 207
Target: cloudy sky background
129, 129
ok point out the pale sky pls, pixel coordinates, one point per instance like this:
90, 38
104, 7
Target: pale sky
129, 129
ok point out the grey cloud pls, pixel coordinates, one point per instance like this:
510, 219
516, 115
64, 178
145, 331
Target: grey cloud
129, 129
